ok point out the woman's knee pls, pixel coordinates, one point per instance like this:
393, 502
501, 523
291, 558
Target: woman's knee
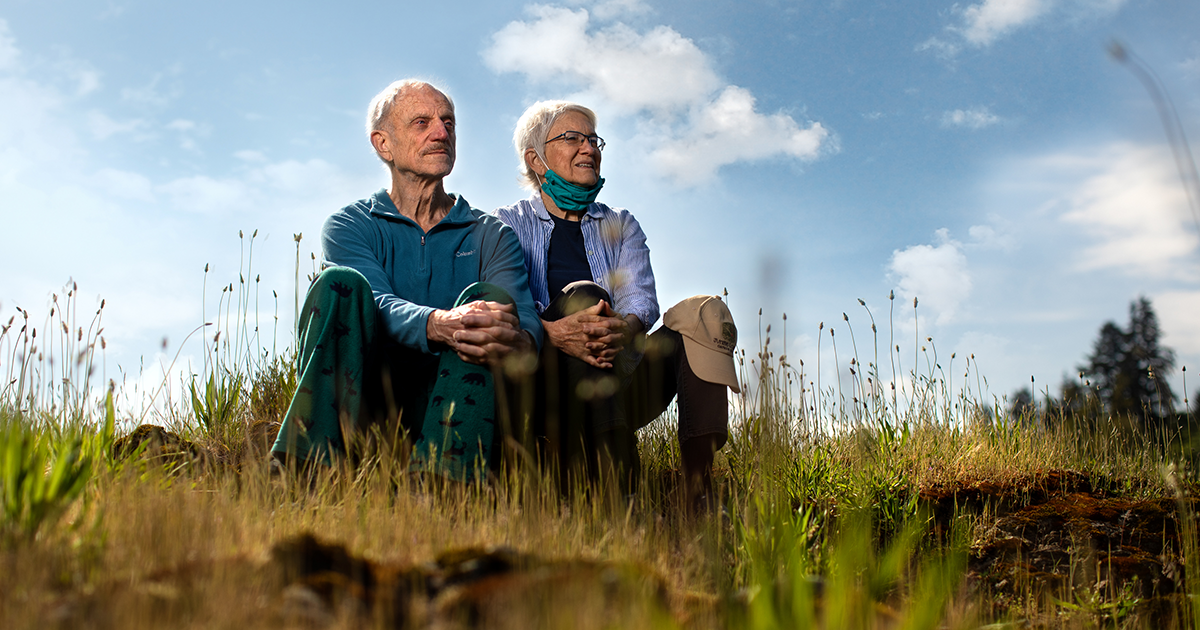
580, 295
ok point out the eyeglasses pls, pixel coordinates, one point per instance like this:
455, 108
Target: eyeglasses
575, 138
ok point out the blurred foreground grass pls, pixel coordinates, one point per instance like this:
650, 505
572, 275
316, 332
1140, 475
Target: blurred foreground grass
848, 505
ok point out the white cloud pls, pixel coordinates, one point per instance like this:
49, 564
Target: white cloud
1177, 316
124, 184
249, 155
937, 275
295, 175
1133, 207
698, 123
103, 127
9, 54
206, 195
88, 81
113, 10
609, 9
317, 182
718, 135
660, 70
104, 224
974, 118
188, 131
152, 93
939, 47
29, 133
1190, 67
987, 237
982, 24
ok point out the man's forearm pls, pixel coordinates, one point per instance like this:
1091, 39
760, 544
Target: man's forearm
440, 328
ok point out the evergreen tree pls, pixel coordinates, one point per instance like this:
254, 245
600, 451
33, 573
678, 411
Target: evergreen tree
1129, 369
1021, 408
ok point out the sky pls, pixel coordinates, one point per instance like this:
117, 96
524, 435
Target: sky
990, 159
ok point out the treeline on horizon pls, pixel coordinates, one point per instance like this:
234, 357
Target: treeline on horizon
1124, 379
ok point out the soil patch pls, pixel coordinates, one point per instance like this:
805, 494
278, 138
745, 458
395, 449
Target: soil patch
311, 583
1059, 537
157, 445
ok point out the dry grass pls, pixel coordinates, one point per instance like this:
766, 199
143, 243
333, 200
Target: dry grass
830, 514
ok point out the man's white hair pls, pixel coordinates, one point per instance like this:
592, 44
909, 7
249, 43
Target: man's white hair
381, 106
531, 133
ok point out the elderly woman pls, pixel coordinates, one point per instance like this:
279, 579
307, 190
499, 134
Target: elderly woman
592, 283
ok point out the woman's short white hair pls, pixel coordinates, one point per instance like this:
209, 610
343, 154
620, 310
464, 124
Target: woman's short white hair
381, 106
531, 133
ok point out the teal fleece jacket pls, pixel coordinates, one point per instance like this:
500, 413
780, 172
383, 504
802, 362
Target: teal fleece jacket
414, 273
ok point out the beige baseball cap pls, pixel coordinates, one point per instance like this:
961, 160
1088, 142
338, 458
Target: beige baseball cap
709, 337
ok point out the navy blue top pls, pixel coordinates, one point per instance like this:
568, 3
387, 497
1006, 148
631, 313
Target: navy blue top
567, 260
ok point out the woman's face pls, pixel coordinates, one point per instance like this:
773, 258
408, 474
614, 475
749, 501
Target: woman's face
578, 163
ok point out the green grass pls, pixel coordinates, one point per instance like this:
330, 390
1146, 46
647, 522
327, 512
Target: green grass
822, 522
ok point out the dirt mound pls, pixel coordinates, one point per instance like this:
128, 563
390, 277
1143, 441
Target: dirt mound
315, 584
157, 445
1003, 497
475, 587
1059, 536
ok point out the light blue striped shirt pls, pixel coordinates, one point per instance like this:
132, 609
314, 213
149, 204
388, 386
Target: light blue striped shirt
616, 253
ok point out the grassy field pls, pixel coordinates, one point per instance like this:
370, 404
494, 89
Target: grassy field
850, 504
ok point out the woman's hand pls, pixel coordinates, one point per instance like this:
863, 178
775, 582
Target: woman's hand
594, 335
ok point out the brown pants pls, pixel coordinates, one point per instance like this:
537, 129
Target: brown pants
586, 416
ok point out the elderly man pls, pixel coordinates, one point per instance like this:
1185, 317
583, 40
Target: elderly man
422, 299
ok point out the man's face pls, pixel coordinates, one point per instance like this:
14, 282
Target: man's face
418, 135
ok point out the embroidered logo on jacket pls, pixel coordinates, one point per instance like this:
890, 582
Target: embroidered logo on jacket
461, 254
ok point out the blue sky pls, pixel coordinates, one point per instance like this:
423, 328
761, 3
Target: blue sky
987, 157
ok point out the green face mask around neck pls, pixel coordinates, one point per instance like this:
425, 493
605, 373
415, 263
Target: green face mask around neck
570, 197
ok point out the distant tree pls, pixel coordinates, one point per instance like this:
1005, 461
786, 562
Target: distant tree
1129, 369
1075, 399
1107, 366
1074, 404
1021, 407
